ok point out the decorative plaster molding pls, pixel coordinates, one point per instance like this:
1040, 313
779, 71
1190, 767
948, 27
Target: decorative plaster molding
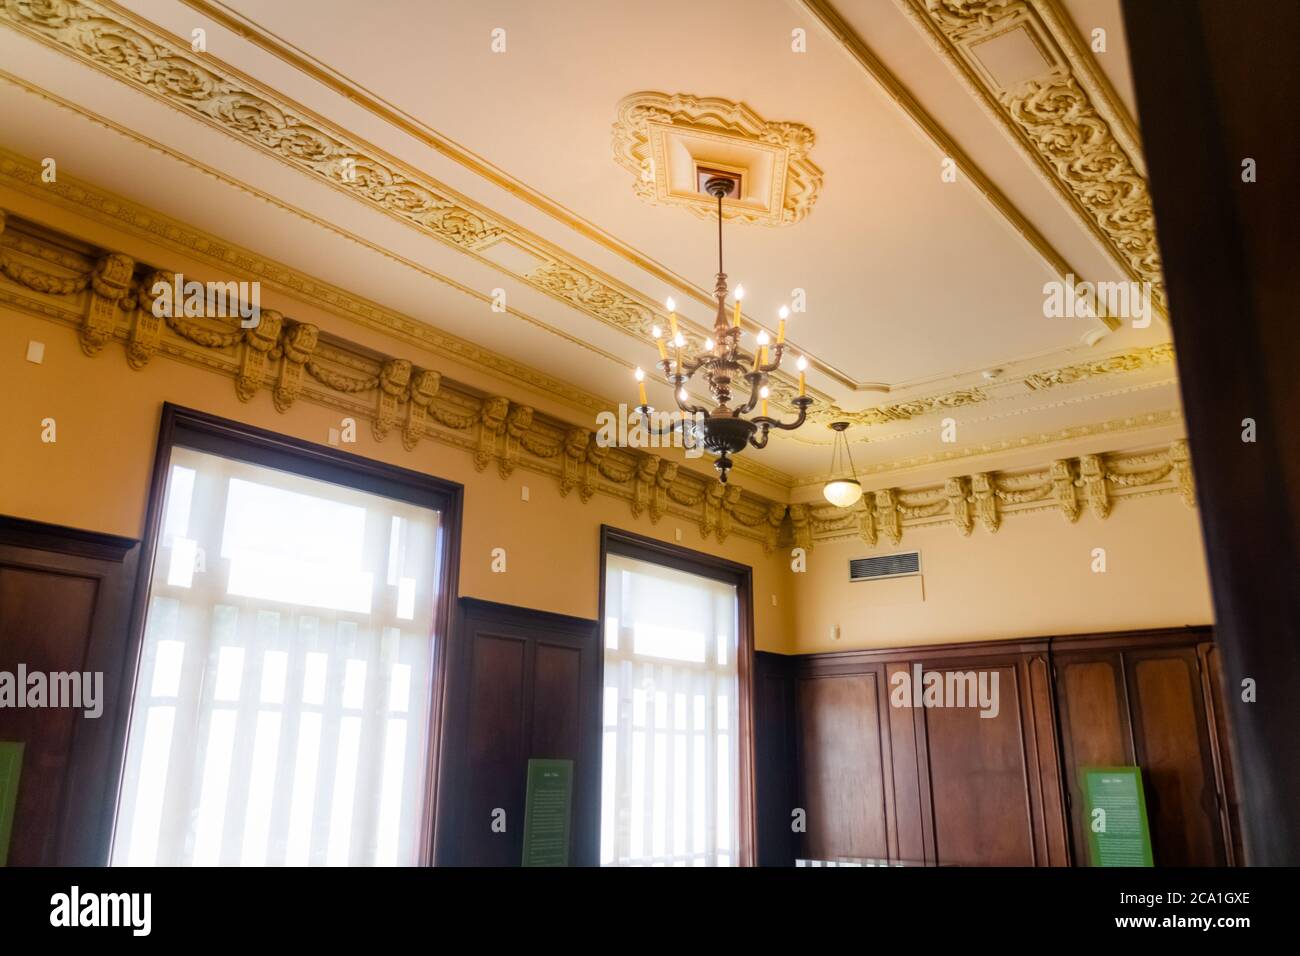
1056, 116
648, 121
1150, 420
295, 360
1067, 485
24, 175
1134, 361
123, 46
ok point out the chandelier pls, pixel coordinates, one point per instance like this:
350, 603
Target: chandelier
724, 430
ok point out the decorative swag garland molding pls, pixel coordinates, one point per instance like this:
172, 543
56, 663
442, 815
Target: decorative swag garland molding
110, 299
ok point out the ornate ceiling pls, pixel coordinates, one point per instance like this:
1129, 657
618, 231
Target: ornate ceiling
915, 172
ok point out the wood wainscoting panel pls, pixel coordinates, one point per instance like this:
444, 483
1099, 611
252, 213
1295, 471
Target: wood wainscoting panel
842, 766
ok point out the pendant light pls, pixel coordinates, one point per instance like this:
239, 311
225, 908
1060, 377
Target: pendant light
842, 492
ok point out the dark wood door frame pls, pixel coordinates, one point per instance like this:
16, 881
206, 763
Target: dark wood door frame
632, 545
534, 630
1214, 81
110, 561
189, 428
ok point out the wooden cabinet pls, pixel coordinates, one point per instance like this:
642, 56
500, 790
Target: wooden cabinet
881, 777
943, 785
1146, 699
520, 684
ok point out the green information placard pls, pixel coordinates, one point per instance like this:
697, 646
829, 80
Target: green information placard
11, 766
1115, 816
547, 811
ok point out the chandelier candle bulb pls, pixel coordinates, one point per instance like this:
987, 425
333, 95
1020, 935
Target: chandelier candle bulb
780, 328
740, 294
640, 384
802, 365
672, 317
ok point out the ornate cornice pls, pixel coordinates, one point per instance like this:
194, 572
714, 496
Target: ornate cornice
648, 121
23, 175
1133, 360
123, 46
1059, 117
1167, 418
107, 297
1069, 486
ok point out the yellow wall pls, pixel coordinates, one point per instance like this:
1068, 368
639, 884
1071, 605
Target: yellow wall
1032, 578
96, 474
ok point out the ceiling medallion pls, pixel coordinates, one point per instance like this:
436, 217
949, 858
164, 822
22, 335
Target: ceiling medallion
673, 144
724, 430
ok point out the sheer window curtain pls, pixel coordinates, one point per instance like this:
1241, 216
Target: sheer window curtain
282, 701
669, 765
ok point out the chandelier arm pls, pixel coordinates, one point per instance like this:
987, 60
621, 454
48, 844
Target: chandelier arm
656, 431
777, 351
759, 438
756, 381
800, 403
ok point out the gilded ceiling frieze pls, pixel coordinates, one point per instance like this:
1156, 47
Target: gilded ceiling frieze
1057, 115
97, 33
293, 360
1133, 361
1068, 485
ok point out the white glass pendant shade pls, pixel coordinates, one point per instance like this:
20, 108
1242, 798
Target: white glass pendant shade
842, 492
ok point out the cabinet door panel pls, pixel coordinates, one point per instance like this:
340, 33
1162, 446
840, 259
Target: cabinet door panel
980, 782
1173, 743
842, 771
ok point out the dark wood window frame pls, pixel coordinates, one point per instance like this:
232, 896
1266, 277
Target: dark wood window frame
189, 428
631, 545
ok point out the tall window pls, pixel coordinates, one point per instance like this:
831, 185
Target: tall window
282, 702
670, 792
